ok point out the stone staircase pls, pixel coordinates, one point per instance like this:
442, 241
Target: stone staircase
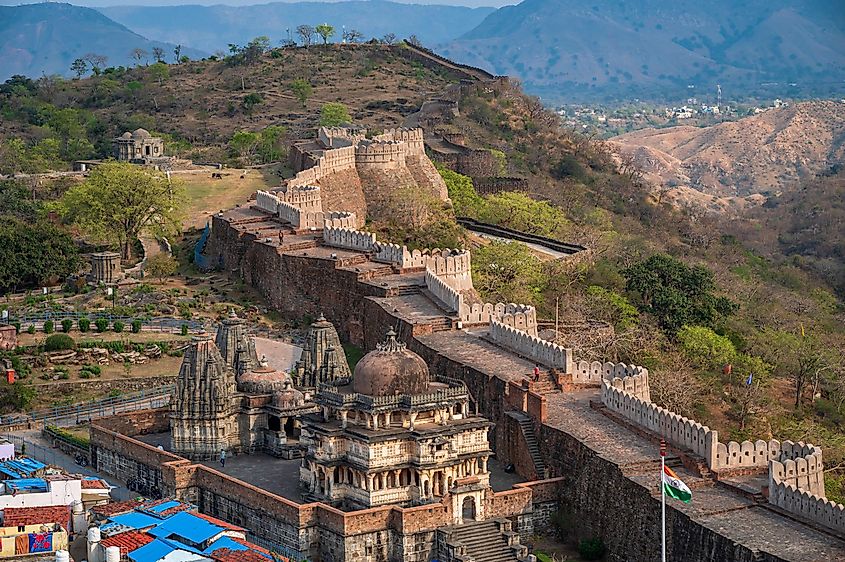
441, 324
485, 541
527, 428
405, 290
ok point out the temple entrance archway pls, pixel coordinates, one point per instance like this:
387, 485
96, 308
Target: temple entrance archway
468, 509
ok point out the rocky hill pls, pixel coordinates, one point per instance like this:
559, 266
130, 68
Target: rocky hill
732, 163
566, 49
38, 39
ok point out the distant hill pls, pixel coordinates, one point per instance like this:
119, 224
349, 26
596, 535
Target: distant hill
576, 49
764, 154
38, 39
213, 27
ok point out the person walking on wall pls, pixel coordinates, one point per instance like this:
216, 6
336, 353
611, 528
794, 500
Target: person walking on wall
223, 458
536, 373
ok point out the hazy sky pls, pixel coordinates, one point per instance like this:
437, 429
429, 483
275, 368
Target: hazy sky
99, 3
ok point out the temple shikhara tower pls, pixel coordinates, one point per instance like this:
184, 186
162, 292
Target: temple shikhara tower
396, 436
322, 361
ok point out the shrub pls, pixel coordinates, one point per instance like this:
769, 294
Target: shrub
102, 324
17, 326
118, 326
48, 326
136, 326
31, 329
591, 549
89, 371
84, 324
184, 329
67, 324
58, 342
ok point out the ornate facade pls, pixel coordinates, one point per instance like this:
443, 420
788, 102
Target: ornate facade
138, 147
323, 361
396, 436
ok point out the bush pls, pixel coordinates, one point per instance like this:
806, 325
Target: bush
118, 326
67, 324
136, 326
17, 326
84, 324
591, 549
89, 371
102, 324
184, 329
48, 326
58, 342
31, 329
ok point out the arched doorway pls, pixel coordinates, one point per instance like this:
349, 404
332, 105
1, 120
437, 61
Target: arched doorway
468, 509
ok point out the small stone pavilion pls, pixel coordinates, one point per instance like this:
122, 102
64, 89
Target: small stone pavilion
396, 436
138, 147
227, 399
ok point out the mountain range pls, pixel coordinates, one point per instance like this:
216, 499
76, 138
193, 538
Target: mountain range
577, 49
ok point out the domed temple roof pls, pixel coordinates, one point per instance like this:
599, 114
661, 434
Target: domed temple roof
141, 134
263, 379
289, 397
390, 369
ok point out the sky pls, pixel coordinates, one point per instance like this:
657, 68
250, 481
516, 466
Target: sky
101, 3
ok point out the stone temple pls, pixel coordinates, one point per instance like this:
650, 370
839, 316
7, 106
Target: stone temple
396, 436
322, 361
138, 147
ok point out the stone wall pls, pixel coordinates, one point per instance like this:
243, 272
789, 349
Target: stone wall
523, 317
386, 154
340, 219
494, 185
349, 239
447, 295
531, 347
267, 201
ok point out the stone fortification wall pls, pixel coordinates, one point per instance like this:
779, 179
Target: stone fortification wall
445, 293
267, 202
349, 239
686, 433
413, 139
531, 347
299, 218
336, 137
386, 154
341, 219
520, 316
494, 185
634, 379
305, 197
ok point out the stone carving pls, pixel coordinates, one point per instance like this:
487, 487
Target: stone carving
235, 345
323, 360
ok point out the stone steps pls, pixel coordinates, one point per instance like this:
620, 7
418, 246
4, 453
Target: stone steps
484, 542
405, 290
442, 324
527, 427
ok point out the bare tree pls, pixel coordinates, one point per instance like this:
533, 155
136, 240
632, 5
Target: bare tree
138, 53
352, 36
389, 39
306, 33
97, 62
177, 52
158, 54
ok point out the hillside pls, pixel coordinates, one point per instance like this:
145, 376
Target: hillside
566, 49
762, 154
39, 39
212, 28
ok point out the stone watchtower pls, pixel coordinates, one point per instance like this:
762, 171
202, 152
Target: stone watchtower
235, 345
203, 411
105, 268
323, 360
138, 147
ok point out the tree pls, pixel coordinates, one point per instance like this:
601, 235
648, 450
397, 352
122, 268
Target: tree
256, 48
271, 144
389, 39
676, 293
466, 201
352, 36
177, 53
138, 53
334, 114
43, 253
250, 101
507, 272
161, 265
79, 66
705, 347
120, 201
414, 40
801, 357
244, 143
517, 210
306, 33
97, 62
302, 90
159, 72
158, 54
325, 31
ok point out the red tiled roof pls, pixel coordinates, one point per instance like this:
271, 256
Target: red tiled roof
46, 515
228, 555
94, 484
115, 508
127, 542
219, 522
255, 547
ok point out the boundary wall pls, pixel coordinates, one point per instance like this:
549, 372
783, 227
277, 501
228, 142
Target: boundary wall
520, 316
531, 347
349, 239
447, 294
597, 372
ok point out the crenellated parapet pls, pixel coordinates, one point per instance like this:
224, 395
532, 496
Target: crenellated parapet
335, 137
634, 378
340, 219
444, 292
267, 201
412, 137
349, 239
386, 153
520, 316
542, 352
305, 197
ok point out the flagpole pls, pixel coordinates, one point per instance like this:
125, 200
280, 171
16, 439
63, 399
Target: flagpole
662, 501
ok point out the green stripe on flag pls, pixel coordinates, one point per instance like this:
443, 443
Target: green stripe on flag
677, 493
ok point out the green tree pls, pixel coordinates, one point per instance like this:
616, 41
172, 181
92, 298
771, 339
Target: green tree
159, 72
79, 67
507, 272
42, 253
244, 143
15, 397
334, 114
271, 144
250, 101
120, 201
302, 90
325, 31
466, 201
705, 347
520, 212
161, 265
610, 306
675, 293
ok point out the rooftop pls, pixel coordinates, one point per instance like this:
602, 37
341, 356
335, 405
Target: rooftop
46, 515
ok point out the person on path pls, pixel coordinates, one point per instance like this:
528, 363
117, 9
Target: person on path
223, 458
536, 373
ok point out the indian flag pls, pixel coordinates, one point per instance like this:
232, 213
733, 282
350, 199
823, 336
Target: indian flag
673, 486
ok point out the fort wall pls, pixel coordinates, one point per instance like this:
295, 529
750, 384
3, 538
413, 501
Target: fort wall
531, 347
520, 316
444, 292
349, 239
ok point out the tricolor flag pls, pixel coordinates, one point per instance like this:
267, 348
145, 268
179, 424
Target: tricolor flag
673, 486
